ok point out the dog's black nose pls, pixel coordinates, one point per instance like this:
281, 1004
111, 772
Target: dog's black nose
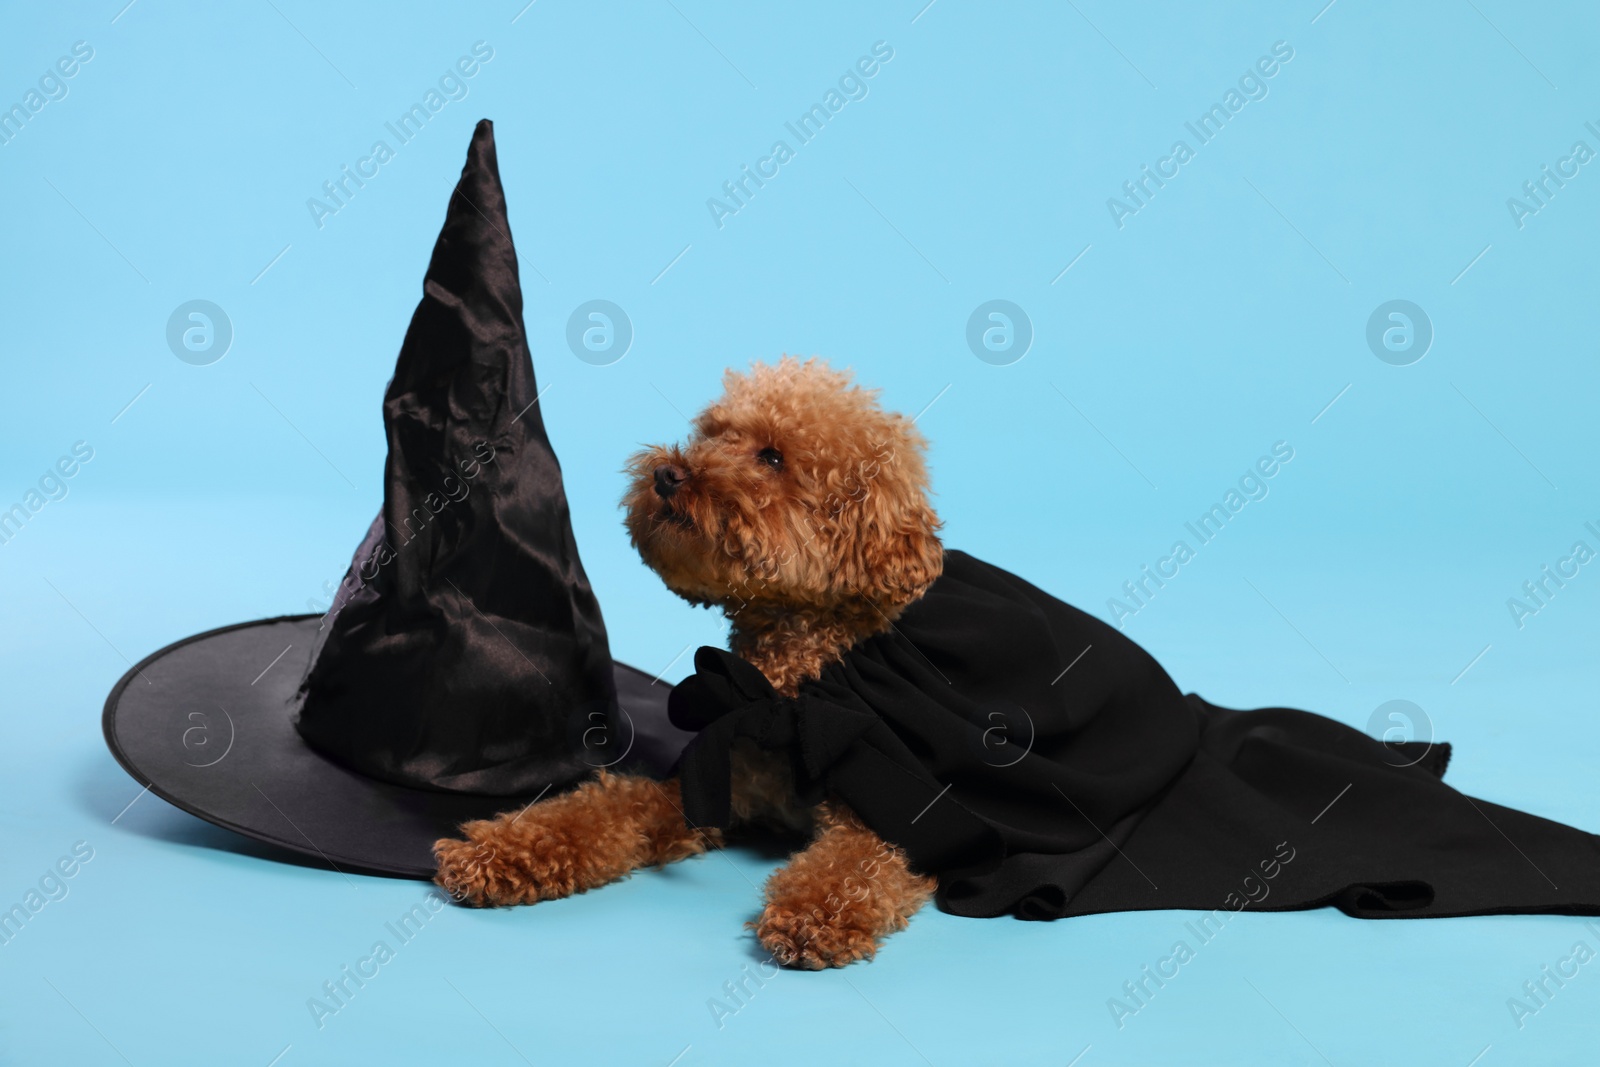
668, 477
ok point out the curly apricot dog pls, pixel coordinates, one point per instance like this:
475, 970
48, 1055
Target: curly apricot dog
799, 508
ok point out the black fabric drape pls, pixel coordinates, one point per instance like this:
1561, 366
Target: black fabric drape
1042, 764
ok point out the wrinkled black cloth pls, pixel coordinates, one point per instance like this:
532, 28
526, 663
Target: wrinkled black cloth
465, 651
1042, 764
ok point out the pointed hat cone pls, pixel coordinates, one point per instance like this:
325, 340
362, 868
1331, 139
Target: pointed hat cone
467, 648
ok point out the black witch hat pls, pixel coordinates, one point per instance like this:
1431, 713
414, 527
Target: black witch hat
463, 668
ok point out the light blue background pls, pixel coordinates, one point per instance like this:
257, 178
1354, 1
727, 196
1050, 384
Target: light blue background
1223, 317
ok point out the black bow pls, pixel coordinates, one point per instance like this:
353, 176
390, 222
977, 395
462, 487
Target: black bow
727, 698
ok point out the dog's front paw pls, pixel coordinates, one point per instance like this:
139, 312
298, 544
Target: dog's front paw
466, 872
813, 939
493, 866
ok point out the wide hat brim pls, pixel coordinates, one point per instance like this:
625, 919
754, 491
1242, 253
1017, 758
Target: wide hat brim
207, 725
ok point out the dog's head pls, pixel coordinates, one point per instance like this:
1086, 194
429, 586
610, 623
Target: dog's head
794, 491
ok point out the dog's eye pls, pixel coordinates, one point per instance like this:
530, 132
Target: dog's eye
771, 457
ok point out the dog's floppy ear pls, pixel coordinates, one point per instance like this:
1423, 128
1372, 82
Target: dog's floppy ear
897, 553
900, 559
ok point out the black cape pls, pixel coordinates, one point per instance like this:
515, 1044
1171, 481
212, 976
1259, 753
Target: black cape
1042, 764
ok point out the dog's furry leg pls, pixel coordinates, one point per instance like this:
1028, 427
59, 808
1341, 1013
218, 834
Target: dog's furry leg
597, 833
835, 899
